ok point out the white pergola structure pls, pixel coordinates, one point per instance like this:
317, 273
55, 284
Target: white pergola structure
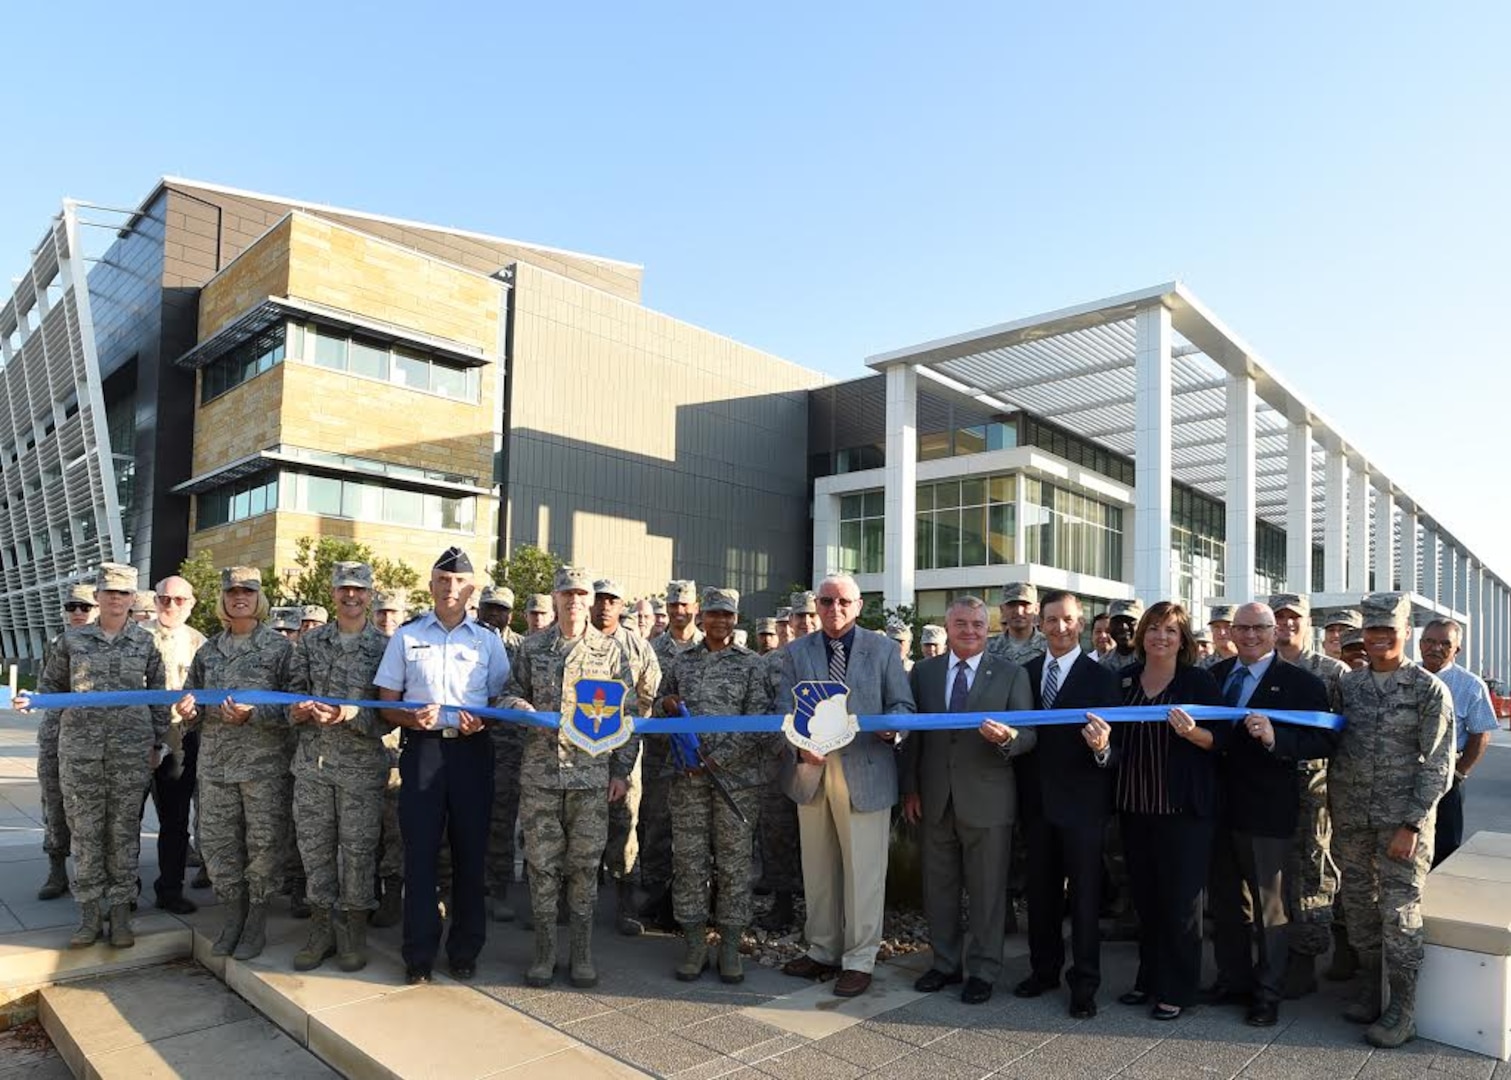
1156, 376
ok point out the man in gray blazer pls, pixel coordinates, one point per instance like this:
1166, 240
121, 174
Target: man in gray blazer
844, 800
960, 784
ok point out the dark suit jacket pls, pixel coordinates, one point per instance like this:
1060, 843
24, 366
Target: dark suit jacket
1060, 781
961, 765
1190, 772
1261, 788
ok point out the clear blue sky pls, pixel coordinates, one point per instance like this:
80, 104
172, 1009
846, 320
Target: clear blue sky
828, 181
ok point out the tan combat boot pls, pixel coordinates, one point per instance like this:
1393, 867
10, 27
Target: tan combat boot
320, 944
543, 970
351, 952
731, 965
583, 974
695, 959
121, 936
1366, 1007
254, 933
230, 930
57, 878
90, 927
1398, 1023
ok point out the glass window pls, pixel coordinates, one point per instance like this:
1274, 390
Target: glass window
933, 447
970, 440
973, 536
322, 495
403, 507
851, 507
369, 360
411, 371
448, 381
1001, 436
925, 497
875, 504
249, 359
457, 514
1001, 534
861, 532
923, 540
972, 492
330, 349
946, 539
947, 494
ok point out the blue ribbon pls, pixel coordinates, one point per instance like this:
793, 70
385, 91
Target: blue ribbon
675, 725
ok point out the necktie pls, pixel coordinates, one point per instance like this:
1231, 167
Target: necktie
1051, 683
1233, 693
961, 688
837, 661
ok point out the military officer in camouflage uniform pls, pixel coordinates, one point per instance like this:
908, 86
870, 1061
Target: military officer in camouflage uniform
623, 846
106, 754
285, 620
783, 626
717, 677
389, 610
1311, 878
659, 618
539, 613
1356, 656
765, 635
902, 633
144, 607
932, 641
340, 771
312, 616
1392, 766
656, 768
79, 609
495, 607
565, 792
1021, 639
388, 613
245, 790
1338, 623
1122, 620
1220, 626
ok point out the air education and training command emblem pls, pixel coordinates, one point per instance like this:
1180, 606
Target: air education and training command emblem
595, 719
820, 721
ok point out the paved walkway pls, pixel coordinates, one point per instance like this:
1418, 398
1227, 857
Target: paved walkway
772, 1026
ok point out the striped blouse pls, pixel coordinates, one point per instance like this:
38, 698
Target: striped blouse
1142, 772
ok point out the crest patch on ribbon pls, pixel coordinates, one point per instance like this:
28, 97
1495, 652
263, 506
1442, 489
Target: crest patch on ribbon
820, 721
595, 720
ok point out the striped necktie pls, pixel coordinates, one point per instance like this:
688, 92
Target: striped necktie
1051, 683
837, 661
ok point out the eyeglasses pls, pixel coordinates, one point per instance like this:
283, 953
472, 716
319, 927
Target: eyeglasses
176, 601
1436, 643
1252, 628
831, 601
75, 606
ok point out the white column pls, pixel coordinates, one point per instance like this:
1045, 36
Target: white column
1152, 578
1358, 529
825, 536
902, 485
1475, 612
1410, 580
1335, 515
1239, 549
1431, 585
1298, 508
1385, 540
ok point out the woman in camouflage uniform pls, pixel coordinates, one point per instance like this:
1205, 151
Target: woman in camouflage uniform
244, 782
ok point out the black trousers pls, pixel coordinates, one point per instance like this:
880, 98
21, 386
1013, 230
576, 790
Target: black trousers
446, 787
1449, 836
1057, 855
171, 796
1251, 931
1168, 857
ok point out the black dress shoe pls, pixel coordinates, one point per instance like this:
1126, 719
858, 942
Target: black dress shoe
416, 974
1134, 997
1221, 994
1262, 1015
1033, 986
1083, 1008
976, 992
934, 980
177, 905
463, 969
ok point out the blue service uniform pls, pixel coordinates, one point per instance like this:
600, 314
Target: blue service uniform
446, 780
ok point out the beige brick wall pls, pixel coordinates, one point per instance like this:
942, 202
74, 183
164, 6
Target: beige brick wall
240, 422
261, 271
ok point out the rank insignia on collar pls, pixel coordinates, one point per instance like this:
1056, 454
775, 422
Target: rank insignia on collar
593, 716
820, 721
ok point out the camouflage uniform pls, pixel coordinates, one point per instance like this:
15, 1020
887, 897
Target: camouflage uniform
1392, 765
623, 846
244, 782
656, 772
563, 801
104, 754
1311, 876
707, 839
781, 847
1018, 652
508, 748
56, 839
340, 770
1117, 661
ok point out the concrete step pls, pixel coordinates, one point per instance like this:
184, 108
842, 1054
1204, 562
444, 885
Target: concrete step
167, 1021
370, 1025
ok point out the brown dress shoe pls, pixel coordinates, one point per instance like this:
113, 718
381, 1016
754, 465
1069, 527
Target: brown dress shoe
806, 967
852, 983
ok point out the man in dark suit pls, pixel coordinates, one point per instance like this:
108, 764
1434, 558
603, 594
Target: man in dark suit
844, 799
1262, 800
1066, 799
960, 785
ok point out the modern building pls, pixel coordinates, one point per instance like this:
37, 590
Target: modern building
1129, 447
237, 371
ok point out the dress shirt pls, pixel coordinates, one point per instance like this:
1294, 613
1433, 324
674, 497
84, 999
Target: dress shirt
1065, 663
1472, 712
465, 666
971, 663
1251, 681
847, 639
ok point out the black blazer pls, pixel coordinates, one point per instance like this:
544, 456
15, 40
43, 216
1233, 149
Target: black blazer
1261, 788
1060, 782
1190, 772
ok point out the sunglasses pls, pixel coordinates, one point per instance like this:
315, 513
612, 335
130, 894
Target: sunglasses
831, 601
75, 606
176, 601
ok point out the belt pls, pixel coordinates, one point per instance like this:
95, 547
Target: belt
438, 733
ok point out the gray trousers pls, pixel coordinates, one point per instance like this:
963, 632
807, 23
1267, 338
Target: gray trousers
977, 859
1251, 931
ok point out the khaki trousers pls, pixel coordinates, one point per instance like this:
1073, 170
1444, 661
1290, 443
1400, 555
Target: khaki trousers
844, 874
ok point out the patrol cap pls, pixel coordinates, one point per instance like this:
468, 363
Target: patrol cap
1352, 636
1201, 633
146, 600
116, 577
765, 626
82, 593
1386, 609
1219, 613
285, 618
932, 635
390, 601
721, 600
241, 577
453, 561
572, 579
355, 574
1126, 609
501, 595
1289, 601
803, 603
1019, 592
783, 614
538, 602
1349, 617
681, 592
608, 587
658, 605
898, 630
314, 613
